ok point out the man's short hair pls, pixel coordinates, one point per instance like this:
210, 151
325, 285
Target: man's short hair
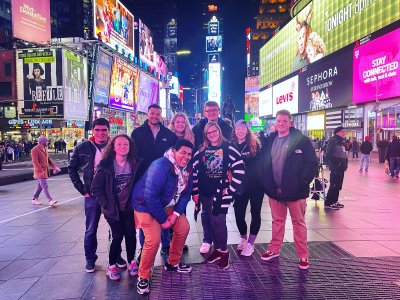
284, 112
154, 106
183, 143
101, 121
211, 103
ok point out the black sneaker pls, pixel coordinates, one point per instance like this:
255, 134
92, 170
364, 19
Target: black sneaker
340, 205
332, 206
185, 248
121, 263
143, 286
90, 267
181, 267
216, 255
224, 261
164, 250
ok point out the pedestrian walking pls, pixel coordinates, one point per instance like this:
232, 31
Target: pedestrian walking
393, 156
355, 148
337, 163
159, 199
347, 147
365, 148
112, 185
289, 165
218, 174
41, 162
249, 148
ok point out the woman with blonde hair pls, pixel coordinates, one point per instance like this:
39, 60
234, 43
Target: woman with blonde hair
218, 170
181, 127
249, 147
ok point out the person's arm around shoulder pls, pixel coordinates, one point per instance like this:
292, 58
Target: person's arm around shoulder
73, 170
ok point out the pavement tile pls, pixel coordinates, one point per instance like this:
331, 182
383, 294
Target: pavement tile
47, 250
392, 245
68, 264
366, 248
15, 288
38, 269
11, 253
340, 234
16, 267
24, 240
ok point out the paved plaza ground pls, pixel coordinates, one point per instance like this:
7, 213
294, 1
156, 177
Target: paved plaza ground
354, 252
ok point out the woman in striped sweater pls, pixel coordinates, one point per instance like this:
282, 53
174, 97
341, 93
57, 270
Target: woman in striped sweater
218, 170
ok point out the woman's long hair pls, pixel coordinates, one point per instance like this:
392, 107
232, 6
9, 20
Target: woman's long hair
251, 140
109, 152
188, 130
206, 142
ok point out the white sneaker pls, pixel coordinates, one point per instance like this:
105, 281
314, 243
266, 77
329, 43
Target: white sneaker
52, 202
247, 250
205, 248
36, 202
241, 245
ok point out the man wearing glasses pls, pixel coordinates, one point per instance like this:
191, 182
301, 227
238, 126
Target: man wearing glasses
337, 162
211, 113
86, 157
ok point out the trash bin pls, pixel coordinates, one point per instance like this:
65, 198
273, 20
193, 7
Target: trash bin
70, 154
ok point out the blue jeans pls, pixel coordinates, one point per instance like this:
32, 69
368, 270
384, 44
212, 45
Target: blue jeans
165, 238
92, 213
394, 164
363, 157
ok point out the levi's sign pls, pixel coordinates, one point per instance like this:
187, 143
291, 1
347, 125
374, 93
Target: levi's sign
285, 95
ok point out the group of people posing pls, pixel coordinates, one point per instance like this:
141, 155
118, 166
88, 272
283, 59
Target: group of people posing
145, 181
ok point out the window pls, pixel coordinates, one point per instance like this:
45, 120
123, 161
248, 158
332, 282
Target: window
5, 88
7, 69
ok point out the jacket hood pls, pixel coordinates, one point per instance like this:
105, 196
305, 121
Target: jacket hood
170, 156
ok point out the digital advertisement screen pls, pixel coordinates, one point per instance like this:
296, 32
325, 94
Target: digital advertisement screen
146, 46
214, 43
124, 85
174, 86
31, 20
102, 78
321, 28
316, 122
251, 102
75, 86
40, 83
327, 83
163, 101
214, 82
376, 68
251, 84
213, 28
265, 102
113, 25
148, 92
285, 96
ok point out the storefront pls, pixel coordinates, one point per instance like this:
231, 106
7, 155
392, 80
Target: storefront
27, 129
73, 131
316, 125
120, 121
353, 123
299, 122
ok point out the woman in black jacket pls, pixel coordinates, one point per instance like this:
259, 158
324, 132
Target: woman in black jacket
112, 185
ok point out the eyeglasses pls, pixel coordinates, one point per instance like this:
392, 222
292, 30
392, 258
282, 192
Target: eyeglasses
100, 130
212, 110
211, 132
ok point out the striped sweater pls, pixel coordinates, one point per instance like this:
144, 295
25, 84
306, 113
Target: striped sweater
208, 177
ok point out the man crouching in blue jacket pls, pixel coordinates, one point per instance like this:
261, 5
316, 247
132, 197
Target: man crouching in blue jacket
159, 200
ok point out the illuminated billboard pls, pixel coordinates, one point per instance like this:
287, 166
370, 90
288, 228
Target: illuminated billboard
265, 102
113, 25
174, 85
214, 82
40, 83
124, 85
75, 86
31, 20
286, 96
146, 46
148, 92
102, 78
376, 68
321, 28
251, 100
214, 43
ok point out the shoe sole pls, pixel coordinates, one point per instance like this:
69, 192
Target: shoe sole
90, 271
247, 255
304, 267
143, 292
113, 279
224, 268
52, 204
214, 260
269, 257
121, 266
334, 208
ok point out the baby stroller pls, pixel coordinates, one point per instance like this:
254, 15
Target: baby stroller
318, 188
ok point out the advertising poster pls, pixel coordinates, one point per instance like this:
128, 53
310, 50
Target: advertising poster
321, 28
214, 82
148, 92
213, 28
327, 83
102, 78
40, 83
214, 43
31, 20
285, 96
376, 68
124, 85
75, 86
113, 25
146, 46
251, 101
265, 102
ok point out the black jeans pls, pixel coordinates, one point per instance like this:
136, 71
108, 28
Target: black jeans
124, 228
336, 183
255, 196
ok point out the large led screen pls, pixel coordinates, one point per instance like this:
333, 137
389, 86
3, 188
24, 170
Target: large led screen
376, 69
31, 20
285, 96
327, 83
40, 83
148, 93
265, 102
113, 25
214, 82
146, 46
75, 86
102, 78
251, 100
124, 85
321, 28
214, 43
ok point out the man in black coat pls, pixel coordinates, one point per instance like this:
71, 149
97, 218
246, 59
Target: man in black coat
337, 163
211, 112
365, 148
393, 155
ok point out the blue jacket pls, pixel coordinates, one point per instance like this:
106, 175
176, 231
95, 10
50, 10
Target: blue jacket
156, 188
